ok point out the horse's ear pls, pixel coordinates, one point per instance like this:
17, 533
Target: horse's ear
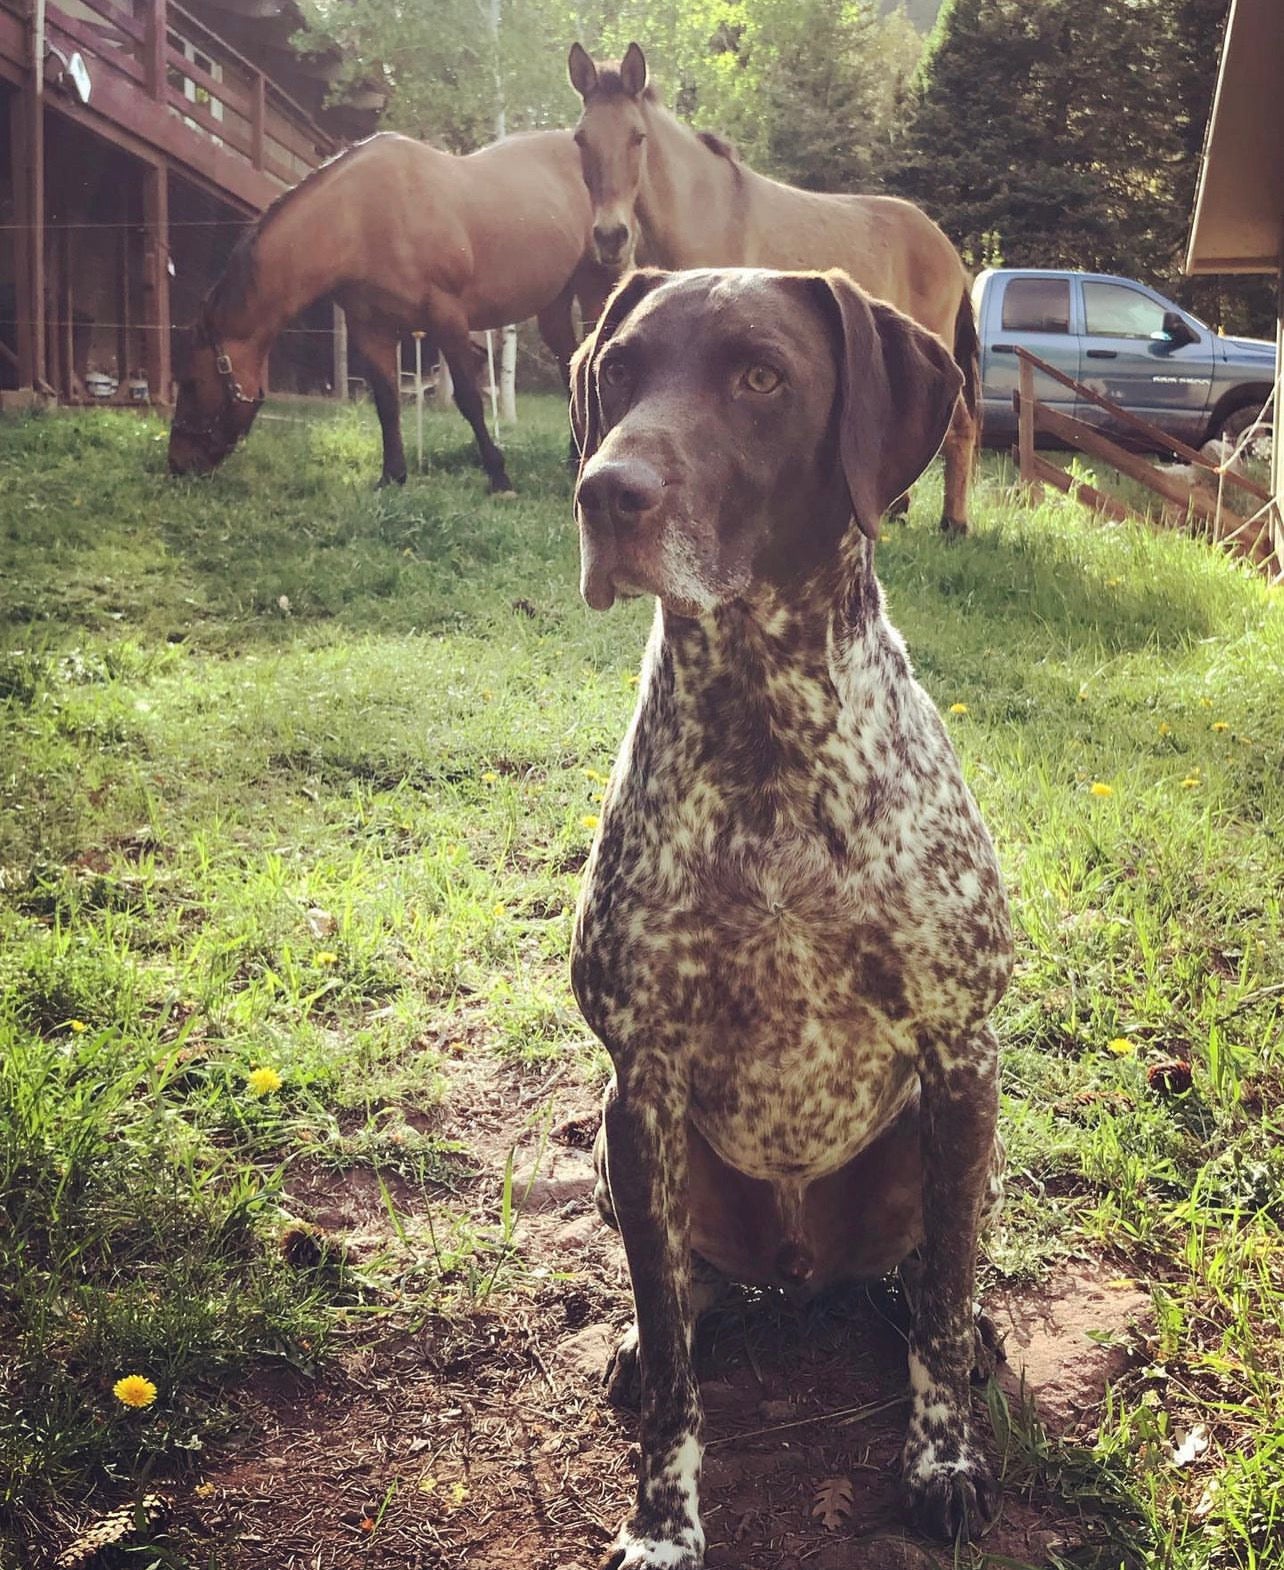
633, 71
586, 410
898, 385
581, 70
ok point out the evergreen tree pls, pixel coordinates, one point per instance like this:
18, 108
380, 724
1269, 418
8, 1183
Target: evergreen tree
1048, 123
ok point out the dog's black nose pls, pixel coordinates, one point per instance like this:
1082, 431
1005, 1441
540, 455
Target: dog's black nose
623, 490
610, 240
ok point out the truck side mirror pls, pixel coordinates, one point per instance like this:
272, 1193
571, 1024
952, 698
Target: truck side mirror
1176, 333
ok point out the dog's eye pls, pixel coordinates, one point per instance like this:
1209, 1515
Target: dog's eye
762, 379
614, 373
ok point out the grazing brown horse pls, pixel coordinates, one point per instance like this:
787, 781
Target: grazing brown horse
403, 237
665, 194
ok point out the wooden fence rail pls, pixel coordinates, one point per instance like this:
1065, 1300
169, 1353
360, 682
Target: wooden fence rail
1259, 537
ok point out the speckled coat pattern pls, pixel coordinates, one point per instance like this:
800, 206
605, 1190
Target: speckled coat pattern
791, 934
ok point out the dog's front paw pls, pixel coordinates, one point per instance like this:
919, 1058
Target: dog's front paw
622, 1378
948, 1500
640, 1551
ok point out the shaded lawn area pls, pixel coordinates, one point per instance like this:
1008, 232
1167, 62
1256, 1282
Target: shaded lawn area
300, 777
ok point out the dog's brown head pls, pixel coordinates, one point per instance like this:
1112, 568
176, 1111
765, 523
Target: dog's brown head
731, 423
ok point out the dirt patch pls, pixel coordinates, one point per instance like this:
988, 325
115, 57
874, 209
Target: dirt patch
482, 1439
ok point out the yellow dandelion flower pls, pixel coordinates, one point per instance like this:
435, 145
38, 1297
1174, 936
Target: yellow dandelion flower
1190, 783
632, 681
489, 777
77, 1027
133, 1390
1113, 583
1082, 695
1205, 703
263, 1081
1099, 788
327, 957
499, 910
1165, 729
1219, 726
487, 695
958, 708
594, 778
1120, 1046
590, 820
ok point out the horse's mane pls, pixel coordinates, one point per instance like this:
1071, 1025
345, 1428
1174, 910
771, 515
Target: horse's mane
611, 85
718, 145
232, 287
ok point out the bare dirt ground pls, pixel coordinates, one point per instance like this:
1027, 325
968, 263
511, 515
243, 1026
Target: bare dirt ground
480, 1437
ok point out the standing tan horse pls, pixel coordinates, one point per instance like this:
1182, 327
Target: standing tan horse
670, 196
404, 238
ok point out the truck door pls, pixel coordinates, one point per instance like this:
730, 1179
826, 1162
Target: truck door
1035, 313
1131, 358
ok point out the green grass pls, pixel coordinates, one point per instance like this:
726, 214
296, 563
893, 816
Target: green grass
296, 775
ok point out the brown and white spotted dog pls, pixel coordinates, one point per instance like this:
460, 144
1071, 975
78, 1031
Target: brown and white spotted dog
793, 927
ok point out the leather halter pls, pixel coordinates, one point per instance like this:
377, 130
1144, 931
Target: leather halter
233, 393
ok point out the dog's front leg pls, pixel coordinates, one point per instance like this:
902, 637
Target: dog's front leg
646, 1160
948, 1485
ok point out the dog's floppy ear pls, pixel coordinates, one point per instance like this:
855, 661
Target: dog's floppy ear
581, 70
586, 411
898, 385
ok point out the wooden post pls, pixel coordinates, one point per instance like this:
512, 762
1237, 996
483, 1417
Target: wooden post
158, 49
258, 110
156, 311
27, 131
340, 372
1277, 426
1025, 431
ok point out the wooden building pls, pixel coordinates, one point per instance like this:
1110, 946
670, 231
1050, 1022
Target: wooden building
137, 139
1239, 207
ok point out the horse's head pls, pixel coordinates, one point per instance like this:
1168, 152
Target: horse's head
218, 397
612, 140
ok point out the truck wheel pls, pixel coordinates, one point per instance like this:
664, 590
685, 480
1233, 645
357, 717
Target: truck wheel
1233, 425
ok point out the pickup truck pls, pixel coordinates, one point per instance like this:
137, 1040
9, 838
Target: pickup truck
1120, 339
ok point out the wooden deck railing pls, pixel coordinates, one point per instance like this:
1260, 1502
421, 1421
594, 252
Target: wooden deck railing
168, 55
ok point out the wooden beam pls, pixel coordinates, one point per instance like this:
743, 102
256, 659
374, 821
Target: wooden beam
27, 142
1081, 491
1025, 429
258, 113
157, 48
156, 309
340, 372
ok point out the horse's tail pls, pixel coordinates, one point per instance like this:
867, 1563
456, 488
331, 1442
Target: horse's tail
967, 356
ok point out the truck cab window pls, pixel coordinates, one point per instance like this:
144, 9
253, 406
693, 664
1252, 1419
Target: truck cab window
1036, 305
1113, 311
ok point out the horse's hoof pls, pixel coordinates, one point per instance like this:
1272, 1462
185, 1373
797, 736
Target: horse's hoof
504, 496
953, 527
385, 480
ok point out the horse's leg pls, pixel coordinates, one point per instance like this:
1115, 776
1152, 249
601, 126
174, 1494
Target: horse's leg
960, 458
380, 350
458, 351
557, 329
